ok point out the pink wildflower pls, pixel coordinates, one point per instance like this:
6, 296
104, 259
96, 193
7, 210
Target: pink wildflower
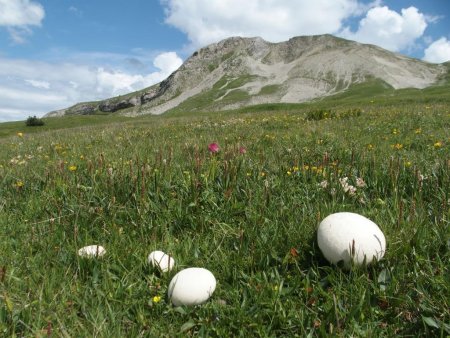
213, 147
242, 150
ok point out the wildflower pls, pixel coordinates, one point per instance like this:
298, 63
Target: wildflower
213, 147
324, 184
351, 190
369, 147
156, 299
73, 168
418, 131
397, 146
438, 145
360, 182
289, 173
343, 181
20, 134
19, 184
242, 150
408, 164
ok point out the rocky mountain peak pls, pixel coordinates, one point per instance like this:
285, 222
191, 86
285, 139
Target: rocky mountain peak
244, 71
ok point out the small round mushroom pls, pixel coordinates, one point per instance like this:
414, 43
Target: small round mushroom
161, 260
92, 251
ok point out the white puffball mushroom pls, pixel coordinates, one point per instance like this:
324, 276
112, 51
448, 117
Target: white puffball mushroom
92, 251
349, 237
161, 260
192, 286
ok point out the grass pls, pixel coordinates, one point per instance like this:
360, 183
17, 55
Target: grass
224, 91
138, 185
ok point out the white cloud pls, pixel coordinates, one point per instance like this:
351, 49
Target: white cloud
38, 84
207, 21
18, 15
21, 13
35, 88
118, 82
438, 51
389, 29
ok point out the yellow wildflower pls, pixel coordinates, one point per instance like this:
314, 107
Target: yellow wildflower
156, 299
20, 134
288, 173
73, 168
438, 144
418, 131
397, 146
19, 184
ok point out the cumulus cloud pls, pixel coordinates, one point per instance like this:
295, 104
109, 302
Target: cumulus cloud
18, 15
438, 51
389, 29
119, 82
207, 21
35, 88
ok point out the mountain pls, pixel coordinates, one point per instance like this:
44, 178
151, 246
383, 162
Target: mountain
240, 72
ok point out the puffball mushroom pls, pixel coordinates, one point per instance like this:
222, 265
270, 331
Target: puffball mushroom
192, 286
92, 251
161, 260
349, 237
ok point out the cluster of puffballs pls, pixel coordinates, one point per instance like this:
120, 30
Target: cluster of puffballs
342, 237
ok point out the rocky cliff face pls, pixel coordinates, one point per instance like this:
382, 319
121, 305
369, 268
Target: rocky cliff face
245, 71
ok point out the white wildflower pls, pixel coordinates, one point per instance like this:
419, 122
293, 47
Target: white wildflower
324, 184
360, 183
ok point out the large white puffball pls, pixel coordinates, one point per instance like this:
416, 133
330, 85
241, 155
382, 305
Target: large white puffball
92, 251
161, 260
348, 237
192, 286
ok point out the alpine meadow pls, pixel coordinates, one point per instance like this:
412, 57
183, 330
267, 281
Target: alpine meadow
238, 189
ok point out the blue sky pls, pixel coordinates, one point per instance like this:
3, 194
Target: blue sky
55, 53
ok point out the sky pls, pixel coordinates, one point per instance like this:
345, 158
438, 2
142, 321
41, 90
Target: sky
55, 53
